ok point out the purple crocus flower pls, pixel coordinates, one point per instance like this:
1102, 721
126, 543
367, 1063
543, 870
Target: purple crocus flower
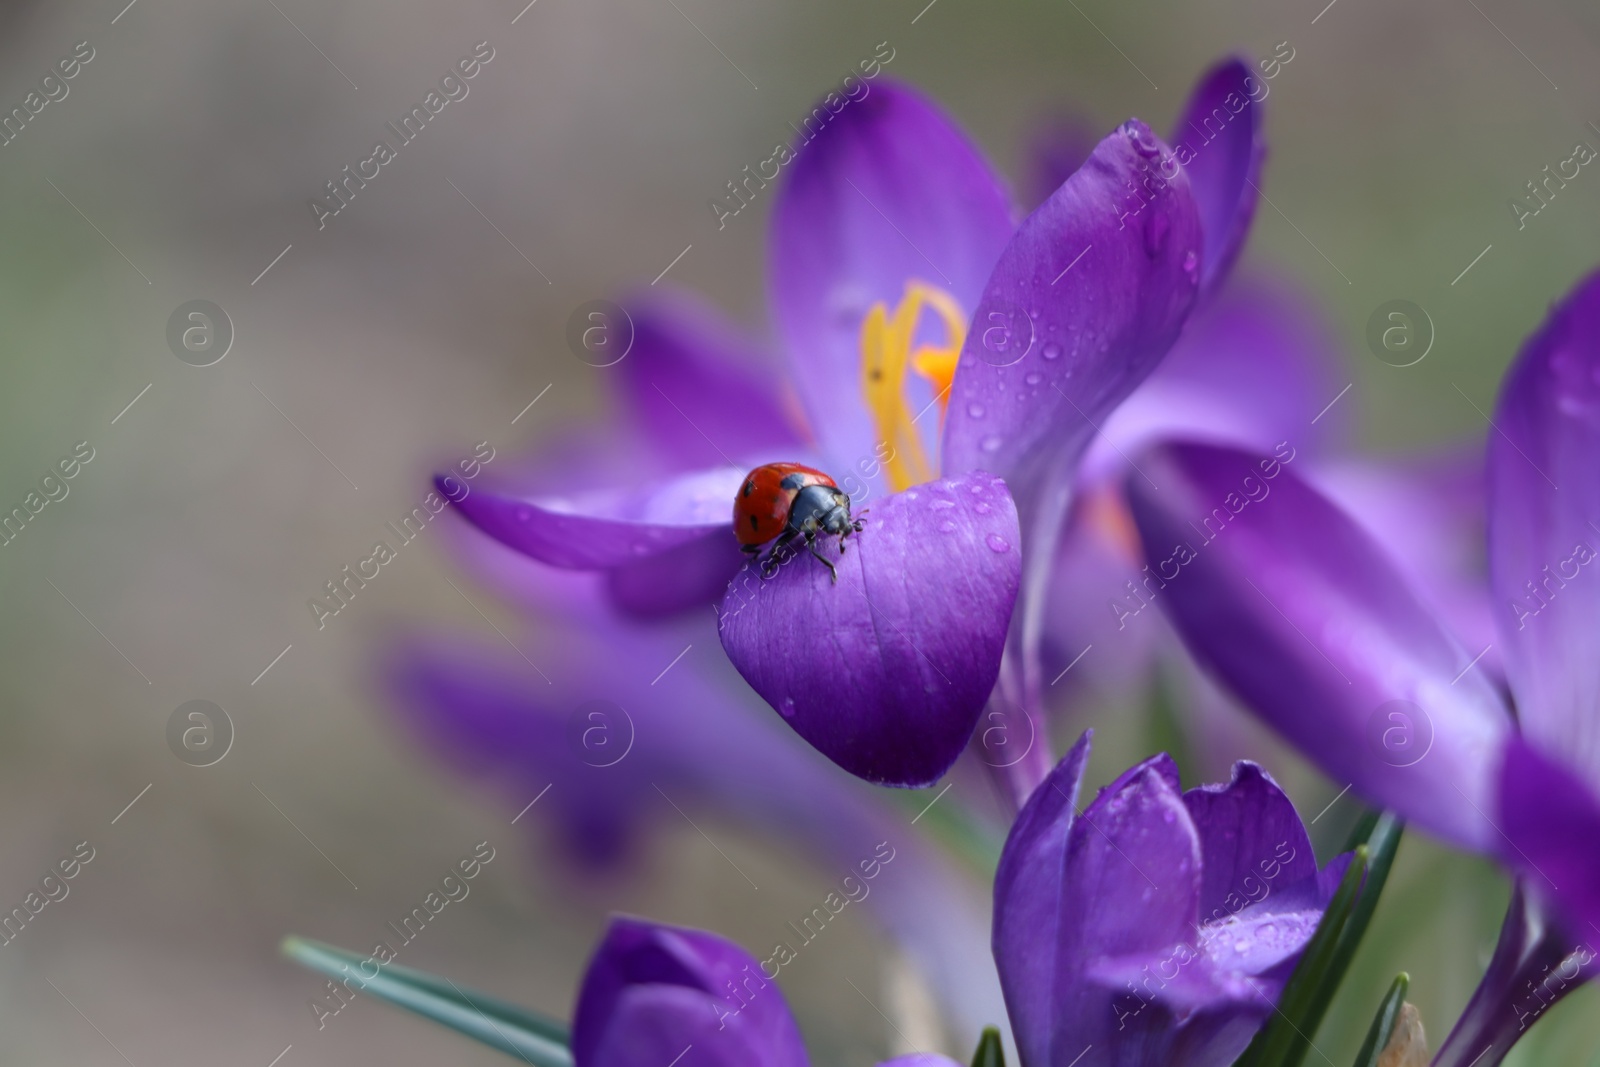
1301, 614
657, 994
899, 283
1157, 926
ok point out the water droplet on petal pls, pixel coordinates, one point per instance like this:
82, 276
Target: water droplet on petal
998, 543
991, 443
981, 508
1144, 142
1240, 945
975, 411
942, 504
947, 527
1052, 350
1191, 260
786, 707
1033, 378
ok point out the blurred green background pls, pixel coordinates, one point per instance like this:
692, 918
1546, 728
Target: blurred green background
180, 164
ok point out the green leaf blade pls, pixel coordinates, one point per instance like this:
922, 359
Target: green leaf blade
506, 1027
1383, 1023
990, 1052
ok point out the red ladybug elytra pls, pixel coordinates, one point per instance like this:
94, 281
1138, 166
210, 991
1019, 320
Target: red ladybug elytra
789, 500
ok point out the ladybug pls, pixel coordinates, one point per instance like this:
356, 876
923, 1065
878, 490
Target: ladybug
789, 500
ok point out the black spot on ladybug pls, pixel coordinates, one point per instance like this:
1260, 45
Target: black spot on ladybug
753, 522
749, 487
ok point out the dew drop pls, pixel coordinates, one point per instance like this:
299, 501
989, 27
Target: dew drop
975, 411
1033, 378
786, 708
943, 505
1144, 142
981, 508
998, 543
1052, 350
991, 443
1191, 260
947, 527
1240, 945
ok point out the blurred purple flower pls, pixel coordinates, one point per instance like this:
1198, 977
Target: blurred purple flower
1252, 368
617, 746
1157, 926
657, 994
1301, 614
1544, 497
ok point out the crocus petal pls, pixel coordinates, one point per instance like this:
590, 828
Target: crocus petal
1052, 349
1131, 885
1027, 899
1428, 512
602, 529
697, 389
1543, 540
887, 671
653, 989
920, 1059
689, 576
1258, 942
1551, 818
1199, 983
1219, 142
1253, 842
1292, 606
889, 191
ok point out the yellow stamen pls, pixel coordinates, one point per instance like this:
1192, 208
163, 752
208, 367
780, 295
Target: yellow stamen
886, 353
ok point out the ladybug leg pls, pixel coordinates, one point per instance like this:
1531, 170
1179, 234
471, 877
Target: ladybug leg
812, 544
779, 553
